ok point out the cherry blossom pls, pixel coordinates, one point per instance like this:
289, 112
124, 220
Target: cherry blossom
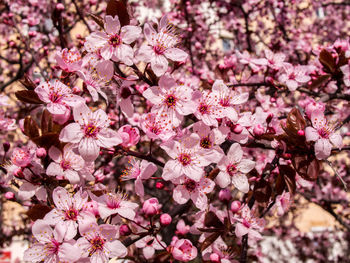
293, 76
183, 249
149, 245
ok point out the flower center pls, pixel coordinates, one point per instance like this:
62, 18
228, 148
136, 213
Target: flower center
184, 159
115, 40
324, 132
159, 49
71, 214
190, 185
205, 143
203, 108
55, 96
170, 101
225, 102
155, 130
292, 76
246, 223
231, 169
65, 164
53, 247
97, 243
91, 130
71, 56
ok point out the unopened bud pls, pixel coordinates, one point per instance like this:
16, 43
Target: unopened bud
124, 230
238, 129
301, 133
159, 185
214, 258
6, 146
40, 152
60, 7
9, 195
225, 195
258, 130
235, 206
165, 219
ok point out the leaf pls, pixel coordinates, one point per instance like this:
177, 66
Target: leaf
46, 122
288, 174
210, 240
316, 83
47, 140
118, 8
31, 129
262, 191
28, 96
306, 166
27, 82
98, 20
38, 212
213, 173
280, 184
211, 220
327, 61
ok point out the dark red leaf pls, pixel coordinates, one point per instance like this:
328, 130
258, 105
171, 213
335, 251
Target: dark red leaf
31, 129
38, 212
28, 96
306, 166
98, 20
327, 60
210, 240
118, 8
27, 82
316, 83
46, 122
211, 220
47, 140
262, 191
288, 174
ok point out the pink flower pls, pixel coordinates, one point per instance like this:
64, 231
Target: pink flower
275, 61
155, 127
66, 164
161, 47
323, 134
57, 96
293, 76
227, 99
171, 101
90, 132
196, 191
115, 41
140, 171
208, 108
129, 135
94, 82
232, 166
283, 203
99, 243
114, 203
149, 244
69, 59
151, 206
69, 211
182, 228
51, 246
186, 159
248, 224
183, 250
346, 71
22, 156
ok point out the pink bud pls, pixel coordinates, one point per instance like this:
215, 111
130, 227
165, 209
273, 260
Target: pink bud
32, 34
301, 133
40, 152
151, 207
124, 230
87, 99
269, 117
225, 195
235, 206
9, 195
19, 173
61, 118
159, 185
214, 258
165, 219
238, 129
60, 7
6, 146
258, 130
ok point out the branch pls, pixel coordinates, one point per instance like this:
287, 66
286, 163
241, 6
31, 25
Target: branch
139, 155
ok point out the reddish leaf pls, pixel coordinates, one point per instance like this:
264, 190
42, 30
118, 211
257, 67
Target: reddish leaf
306, 166
31, 129
98, 20
213, 173
211, 220
118, 8
316, 83
38, 212
262, 191
28, 96
46, 122
327, 61
27, 82
210, 240
47, 140
342, 59
288, 174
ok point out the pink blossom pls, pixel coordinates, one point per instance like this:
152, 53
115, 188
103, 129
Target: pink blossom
283, 203
140, 171
155, 127
22, 156
94, 82
114, 203
293, 76
68, 211
115, 41
208, 108
196, 191
151, 207
346, 71
324, 134
52, 245
90, 132
66, 164
99, 243
274, 60
182, 228
161, 46
186, 159
129, 135
233, 169
69, 59
171, 101
149, 244
57, 96
183, 250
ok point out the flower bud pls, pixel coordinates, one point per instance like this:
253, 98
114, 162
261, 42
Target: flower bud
40, 152
258, 130
19, 173
238, 129
60, 7
9, 195
165, 219
301, 133
6, 146
214, 258
235, 206
225, 195
151, 207
159, 185
124, 230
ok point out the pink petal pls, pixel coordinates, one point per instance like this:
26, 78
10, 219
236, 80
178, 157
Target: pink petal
176, 54
240, 181
241, 230
311, 134
71, 133
112, 25
245, 165
108, 138
55, 154
181, 194
223, 179
336, 139
130, 33
159, 64
322, 148
89, 149
235, 153
200, 200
